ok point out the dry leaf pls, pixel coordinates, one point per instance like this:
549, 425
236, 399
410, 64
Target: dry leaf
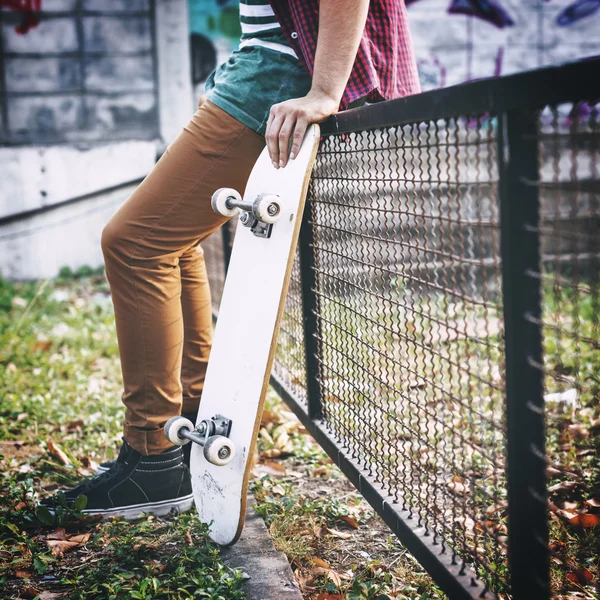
83, 538
588, 520
23, 574
343, 535
563, 486
57, 534
52, 595
321, 531
335, 577
278, 490
271, 453
593, 502
59, 547
74, 425
582, 576
58, 453
319, 471
30, 592
42, 345
319, 562
458, 488
350, 521
269, 467
188, 539
327, 596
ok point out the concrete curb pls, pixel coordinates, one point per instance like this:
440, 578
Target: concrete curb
269, 574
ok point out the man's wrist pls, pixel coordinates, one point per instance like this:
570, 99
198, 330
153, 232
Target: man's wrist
325, 96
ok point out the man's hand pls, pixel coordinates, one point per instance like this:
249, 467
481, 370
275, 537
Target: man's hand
288, 122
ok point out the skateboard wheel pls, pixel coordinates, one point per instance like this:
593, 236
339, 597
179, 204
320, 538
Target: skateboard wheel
219, 450
172, 428
267, 208
219, 201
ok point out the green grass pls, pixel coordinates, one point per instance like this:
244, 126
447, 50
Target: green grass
60, 414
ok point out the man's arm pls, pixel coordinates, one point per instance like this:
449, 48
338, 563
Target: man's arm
341, 25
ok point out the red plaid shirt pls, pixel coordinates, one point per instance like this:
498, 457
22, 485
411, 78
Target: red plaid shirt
385, 66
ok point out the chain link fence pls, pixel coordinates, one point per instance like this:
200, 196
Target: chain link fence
441, 334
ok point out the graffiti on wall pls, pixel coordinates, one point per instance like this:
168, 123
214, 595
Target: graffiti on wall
214, 33
497, 37
28, 9
493, 12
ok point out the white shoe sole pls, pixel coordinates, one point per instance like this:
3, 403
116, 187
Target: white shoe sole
135, 511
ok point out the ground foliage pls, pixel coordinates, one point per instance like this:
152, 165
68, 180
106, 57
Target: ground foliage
60, 415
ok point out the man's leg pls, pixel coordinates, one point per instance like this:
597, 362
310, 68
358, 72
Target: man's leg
146, 244
197, 322
158, 283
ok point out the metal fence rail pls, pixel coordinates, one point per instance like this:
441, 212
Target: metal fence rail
444, 313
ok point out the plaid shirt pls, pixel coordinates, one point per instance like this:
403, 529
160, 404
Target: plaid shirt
385, 66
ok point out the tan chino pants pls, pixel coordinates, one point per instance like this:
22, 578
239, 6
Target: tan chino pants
157, 273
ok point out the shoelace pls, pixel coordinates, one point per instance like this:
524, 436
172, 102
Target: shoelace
90, 484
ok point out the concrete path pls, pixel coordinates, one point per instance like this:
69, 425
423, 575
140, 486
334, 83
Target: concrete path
268, 571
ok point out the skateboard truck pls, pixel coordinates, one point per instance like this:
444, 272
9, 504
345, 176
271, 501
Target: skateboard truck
259, 215
211, 434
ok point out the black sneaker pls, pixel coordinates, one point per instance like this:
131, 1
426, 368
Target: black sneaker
187, 449
135, 484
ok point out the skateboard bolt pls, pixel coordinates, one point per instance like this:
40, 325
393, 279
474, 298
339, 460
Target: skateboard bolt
273, 209
244, 218
224, 453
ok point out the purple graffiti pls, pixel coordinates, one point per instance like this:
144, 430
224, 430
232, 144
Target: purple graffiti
486, 10
577, 11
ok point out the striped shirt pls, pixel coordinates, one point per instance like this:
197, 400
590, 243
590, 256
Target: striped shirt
260, 27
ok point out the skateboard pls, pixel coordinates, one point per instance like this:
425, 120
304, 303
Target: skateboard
245, 337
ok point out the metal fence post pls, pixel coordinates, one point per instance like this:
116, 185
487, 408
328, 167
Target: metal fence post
520, 250
310, 314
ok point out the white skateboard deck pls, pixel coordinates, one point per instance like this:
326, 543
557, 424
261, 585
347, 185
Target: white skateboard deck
245, 339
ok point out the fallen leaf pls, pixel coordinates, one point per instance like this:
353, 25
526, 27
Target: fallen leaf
41, 345
588, 520
74, 425
593, 502
319, 562
321, 531
327, 596
343, 535
58, 453
188, 539
270, 467
59, 547
30, 592
563, 486
580, 576
278, 490
319, 471
18, 301
52, 595
80, 539
335, 577
271, 453
57, 534
23, 574
350, 521
458, 488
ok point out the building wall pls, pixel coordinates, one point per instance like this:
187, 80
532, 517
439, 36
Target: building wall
89, 97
